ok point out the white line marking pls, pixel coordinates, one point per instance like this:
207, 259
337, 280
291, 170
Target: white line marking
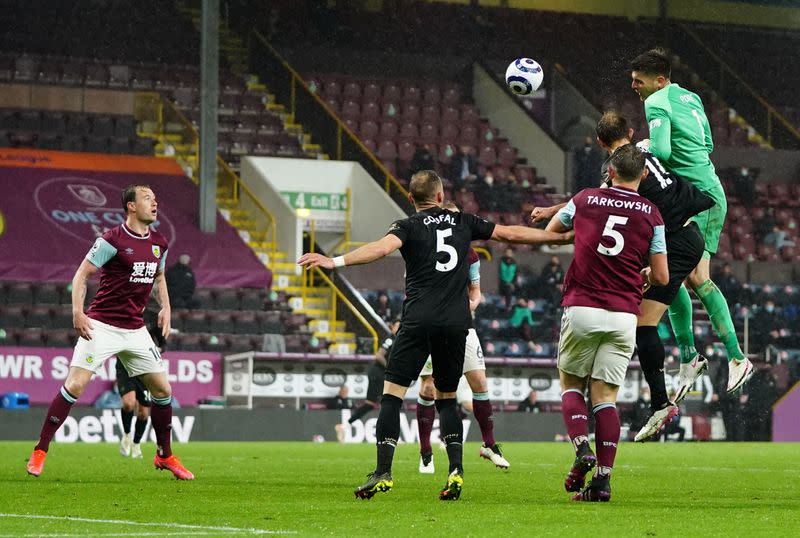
239, 530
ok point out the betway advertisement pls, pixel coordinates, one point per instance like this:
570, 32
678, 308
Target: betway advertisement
39, 372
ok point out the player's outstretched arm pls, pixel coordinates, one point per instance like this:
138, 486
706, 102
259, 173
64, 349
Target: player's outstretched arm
364, 254
162, 297
541, 214
529, 236
81, 322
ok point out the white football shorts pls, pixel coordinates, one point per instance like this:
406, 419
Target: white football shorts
596, 342
134, 347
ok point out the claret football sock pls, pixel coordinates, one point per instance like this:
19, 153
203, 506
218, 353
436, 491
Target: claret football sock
606, 435
426, 414
127, 418
680, 317
720, 315
387, 431
452, 432
482, 409
58, 411
161, 417
576, 417
651, 359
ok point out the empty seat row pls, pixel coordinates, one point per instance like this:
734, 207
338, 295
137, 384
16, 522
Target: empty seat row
464, 113
409, 91
69, 142
61, 122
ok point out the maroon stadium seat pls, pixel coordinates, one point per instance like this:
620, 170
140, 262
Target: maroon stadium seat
430, 114
409, 131
388, 129
387, 150
370, 110
392, 92
351, 90
411, 112
372, 92
367, 129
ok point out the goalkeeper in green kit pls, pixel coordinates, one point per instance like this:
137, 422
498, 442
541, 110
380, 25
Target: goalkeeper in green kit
680, 137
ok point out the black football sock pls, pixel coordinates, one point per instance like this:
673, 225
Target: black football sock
651, 358
138, 430
387, 431
360, 412
127, 417
452, 432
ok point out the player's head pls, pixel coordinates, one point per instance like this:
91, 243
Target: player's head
450, 206
140, 202
613, 130
426, 189
650, 71
626, 166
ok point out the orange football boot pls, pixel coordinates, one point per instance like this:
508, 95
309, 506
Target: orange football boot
36, 462
173, 464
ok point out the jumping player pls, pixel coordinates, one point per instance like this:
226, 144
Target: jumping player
434, 244
677, 201
680, 137
616, 233
130, 259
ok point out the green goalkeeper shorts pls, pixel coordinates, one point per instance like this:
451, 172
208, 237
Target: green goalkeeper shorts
712, 220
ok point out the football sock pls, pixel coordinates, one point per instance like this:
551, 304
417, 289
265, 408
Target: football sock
360, 412
387, 431
426, 413
482, 409
127, 418
576, 417
452, 432
138, 430
161, 416
651, 359
606, 436
56, 413
680, 317
720, 315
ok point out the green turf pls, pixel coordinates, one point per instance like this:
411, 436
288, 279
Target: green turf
658, 490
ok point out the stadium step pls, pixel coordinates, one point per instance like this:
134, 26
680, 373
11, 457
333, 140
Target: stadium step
338, 337
342, 348
285, 268
326, 326
313, 312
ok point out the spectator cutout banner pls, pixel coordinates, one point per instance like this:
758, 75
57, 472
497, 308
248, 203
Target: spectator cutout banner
54, 205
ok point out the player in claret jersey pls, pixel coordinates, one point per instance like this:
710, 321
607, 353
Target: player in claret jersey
617, 233
680, 137
434, 243
130, 259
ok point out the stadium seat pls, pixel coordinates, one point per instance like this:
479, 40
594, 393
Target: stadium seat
220, 322
226, 299
367, 129
20, 293
246, 323
12, 316
411, 112
62, 317
31, 337
387, 150
351, 90
450, 114
38, 316
392, 92
388, 129
429, 114
350, 109
270, 322
61, 338
372, 92
195, 322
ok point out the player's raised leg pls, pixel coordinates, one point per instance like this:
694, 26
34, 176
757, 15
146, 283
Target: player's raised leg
651, 359
426, 414
59, 409
739, 367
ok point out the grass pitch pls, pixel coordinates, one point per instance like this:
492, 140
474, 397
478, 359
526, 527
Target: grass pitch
307, 489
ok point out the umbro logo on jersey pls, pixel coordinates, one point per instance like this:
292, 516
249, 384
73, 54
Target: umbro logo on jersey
655, 123
129, 251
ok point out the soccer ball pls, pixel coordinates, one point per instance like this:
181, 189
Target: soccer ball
524, 76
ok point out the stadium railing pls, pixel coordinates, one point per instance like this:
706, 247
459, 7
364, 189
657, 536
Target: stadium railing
764, 117
341, 308
308, 109
159, 119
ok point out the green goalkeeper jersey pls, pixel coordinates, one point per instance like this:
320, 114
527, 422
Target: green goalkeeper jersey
680, 136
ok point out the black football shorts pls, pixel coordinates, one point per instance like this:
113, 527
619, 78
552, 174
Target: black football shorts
684, 251
445, 345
